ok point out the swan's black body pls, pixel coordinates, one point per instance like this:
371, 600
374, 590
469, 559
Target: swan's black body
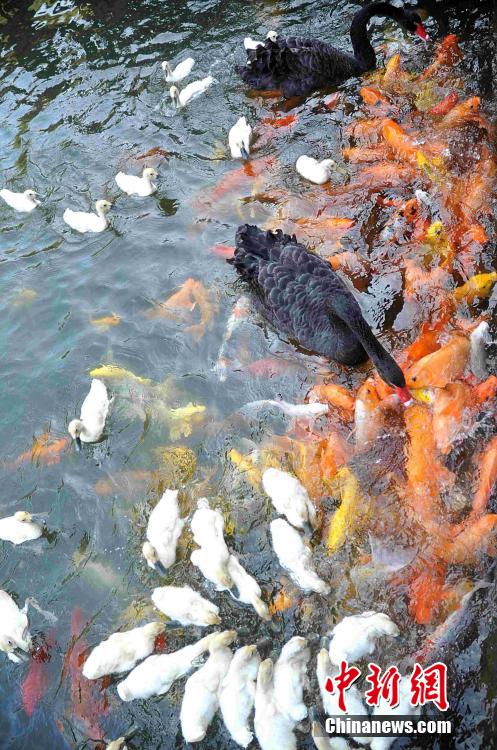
298, 66
300, 295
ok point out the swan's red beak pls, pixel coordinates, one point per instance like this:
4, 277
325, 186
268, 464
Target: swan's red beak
421, 32
403, 394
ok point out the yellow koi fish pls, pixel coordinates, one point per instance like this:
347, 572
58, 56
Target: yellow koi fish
476, 287
353, 510
113, 372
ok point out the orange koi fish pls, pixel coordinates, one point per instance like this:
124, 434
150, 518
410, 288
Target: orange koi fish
476, 536
382, 175
87, 704
365, 423
487, 475
335, 453
476, 193
237, 178
43, 451
366, 130
441, 367
445, 105
426, 593
402, 144
222, 251
37, 682
280, 122
394, 77
448, 53
426, 343
268, 367
461, 113
176, 303
373, 98
156, 151
450, 405
426, 475
359, 154
486, 390
334, 394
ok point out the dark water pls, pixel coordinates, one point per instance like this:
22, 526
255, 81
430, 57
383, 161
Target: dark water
82, 96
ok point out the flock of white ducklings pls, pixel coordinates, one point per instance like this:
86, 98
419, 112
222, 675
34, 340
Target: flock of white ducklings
233, 683
236, 683
239, 141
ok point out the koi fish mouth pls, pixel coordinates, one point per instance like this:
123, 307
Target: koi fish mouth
421, 32
403, 395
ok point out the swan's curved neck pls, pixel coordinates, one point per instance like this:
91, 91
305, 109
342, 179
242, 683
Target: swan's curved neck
363, 49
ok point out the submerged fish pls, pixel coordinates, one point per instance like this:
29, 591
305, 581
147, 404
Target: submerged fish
352, 513
43, 451
105, 322
114, 372
477, 287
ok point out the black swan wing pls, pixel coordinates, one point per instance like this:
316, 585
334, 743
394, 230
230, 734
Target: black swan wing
296, 65
297, 292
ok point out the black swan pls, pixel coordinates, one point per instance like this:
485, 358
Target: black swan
299, 294
298, 66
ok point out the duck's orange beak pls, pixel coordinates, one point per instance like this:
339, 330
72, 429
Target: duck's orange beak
403, 394
421, 32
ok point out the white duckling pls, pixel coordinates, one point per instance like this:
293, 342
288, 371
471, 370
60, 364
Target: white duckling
25, 201
250, 43
182, 70
213, 556
290, 498
239, 139
313, 170
91, 423
133, 185
272, 728
121, 651
294, 555
353, 698
19, 528
186, 606
86, 221
201, 698
156, 674
356, 636
163, 531
290, 678
194, 89
237, 694
15, 638
403, 709
249, 591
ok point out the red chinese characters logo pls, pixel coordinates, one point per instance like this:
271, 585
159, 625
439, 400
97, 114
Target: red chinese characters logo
342, 682
383, 687
427, 685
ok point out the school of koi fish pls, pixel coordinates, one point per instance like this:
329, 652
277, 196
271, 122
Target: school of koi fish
419, 154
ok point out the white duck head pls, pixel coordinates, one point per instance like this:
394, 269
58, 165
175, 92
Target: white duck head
150, 554
174, 93
103, 207
149, 173
14, 652
76, 426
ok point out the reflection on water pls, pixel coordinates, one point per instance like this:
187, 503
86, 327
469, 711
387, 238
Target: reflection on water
83, 97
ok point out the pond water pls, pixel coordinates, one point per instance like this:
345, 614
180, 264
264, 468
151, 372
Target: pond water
82, 96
